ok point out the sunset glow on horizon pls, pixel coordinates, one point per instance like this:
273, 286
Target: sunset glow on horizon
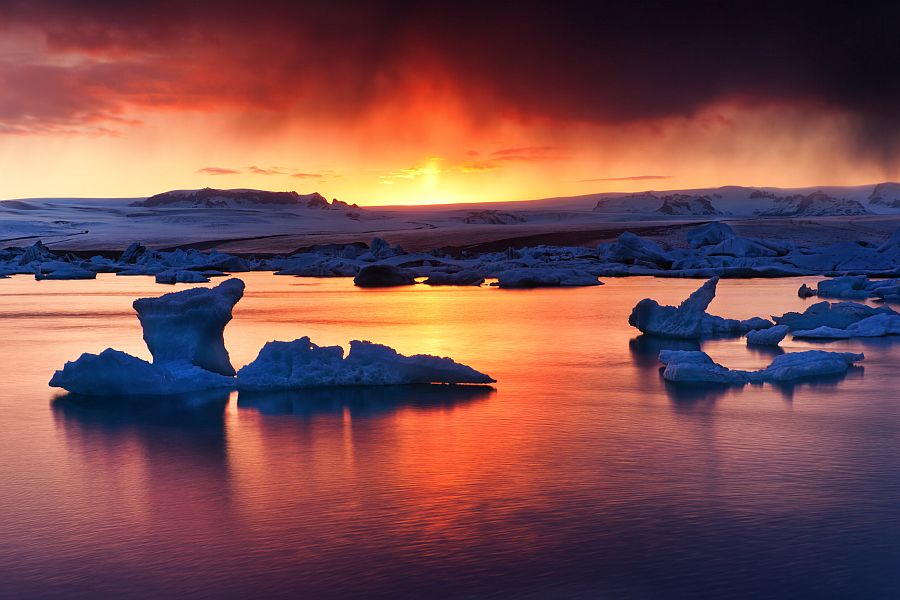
402, 104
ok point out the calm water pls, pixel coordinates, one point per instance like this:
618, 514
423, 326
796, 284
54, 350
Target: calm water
579, 475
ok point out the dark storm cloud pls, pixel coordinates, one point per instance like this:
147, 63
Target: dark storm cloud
595, 62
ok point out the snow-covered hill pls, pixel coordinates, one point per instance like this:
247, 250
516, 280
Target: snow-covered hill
275, 221
764, 202
238, 198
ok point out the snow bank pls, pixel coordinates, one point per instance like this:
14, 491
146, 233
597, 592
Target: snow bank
302, 364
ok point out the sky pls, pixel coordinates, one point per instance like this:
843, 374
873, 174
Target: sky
432, 102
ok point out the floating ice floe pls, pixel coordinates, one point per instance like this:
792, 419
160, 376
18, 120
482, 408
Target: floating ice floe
545, 277
854, 287
694, 366
689, 320
875, 326
838, 315
383, 276
458, 278
56, 269
184, 333
770, 336
115, 373
714, 249
173, 276
302, 364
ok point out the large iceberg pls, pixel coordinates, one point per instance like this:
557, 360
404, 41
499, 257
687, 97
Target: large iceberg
694, 366
189, 325
184, 332
303, 364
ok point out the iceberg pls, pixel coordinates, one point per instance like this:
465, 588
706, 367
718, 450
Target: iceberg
838, 315
459, 278
184, 332
172, 276
56, 269
708, 235
875, 326
303, 364
683, 322
383, 276
770, 336
631, 249
188, 326
116, 373
538, 277
694, 366
689, 320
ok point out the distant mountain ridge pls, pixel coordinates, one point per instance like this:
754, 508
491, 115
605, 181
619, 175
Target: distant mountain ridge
735, 200
886, 194
236, 198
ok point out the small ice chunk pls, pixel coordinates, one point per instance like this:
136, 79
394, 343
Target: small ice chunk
771, 336
695, 366
806, 292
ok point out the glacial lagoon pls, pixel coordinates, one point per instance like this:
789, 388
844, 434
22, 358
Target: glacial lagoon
580, 473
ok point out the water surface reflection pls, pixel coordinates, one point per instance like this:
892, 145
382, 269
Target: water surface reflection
581, 474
